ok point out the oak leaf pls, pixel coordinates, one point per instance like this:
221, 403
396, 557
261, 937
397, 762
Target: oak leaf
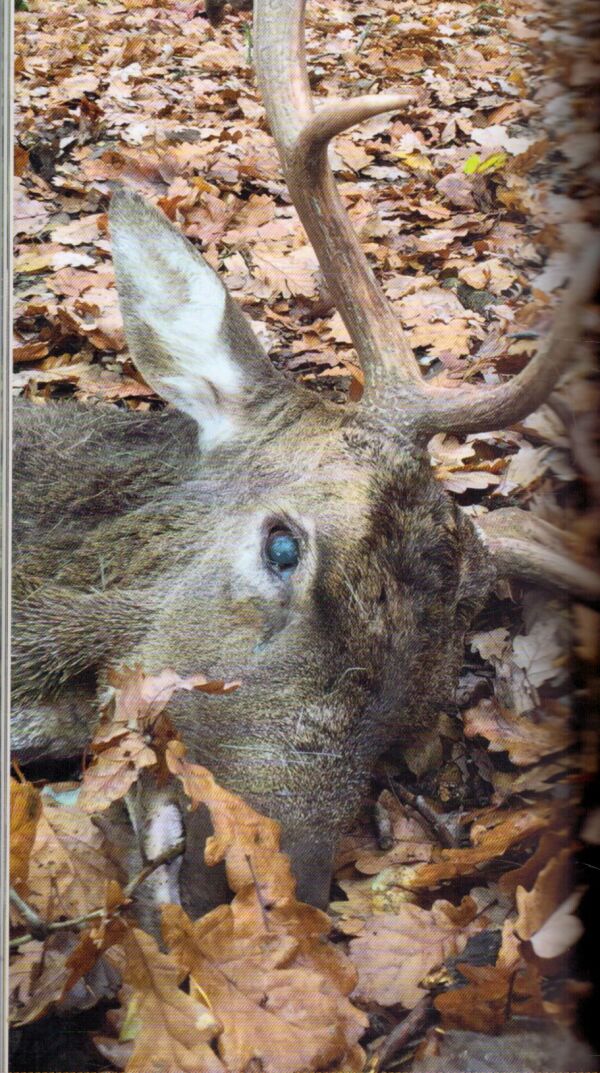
489, 843
278, 987
552, 886
120, 749
276, 1010
172, 1031
394, 952
68, 871
25, 811
492, 995
526, 739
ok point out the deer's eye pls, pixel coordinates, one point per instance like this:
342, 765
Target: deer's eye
282, 551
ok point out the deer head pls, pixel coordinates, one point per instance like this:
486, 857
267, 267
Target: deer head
313, 555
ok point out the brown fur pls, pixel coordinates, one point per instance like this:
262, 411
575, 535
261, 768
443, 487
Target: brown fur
130, 546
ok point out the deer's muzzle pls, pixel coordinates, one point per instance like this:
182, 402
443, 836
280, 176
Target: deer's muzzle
312, 865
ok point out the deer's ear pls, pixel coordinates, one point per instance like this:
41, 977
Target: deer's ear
187, 336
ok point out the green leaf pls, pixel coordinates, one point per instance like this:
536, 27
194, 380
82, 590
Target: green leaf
492, 163
470, 166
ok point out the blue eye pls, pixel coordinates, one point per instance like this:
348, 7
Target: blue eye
282, 551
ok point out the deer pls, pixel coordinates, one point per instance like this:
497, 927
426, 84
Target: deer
256, 530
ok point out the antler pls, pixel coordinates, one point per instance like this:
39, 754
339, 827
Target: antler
481, 409
533, 550
302, 137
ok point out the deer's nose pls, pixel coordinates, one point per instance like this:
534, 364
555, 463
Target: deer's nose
312, 865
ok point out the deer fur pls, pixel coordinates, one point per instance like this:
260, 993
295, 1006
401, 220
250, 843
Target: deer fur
140, 538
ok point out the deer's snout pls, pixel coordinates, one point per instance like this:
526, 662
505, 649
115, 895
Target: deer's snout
312, 865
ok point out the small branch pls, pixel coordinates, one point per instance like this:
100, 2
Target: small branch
419, 805
40, 930
365, 33
165, 857
403, 1033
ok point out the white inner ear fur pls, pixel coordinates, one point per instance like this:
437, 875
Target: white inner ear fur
182, 301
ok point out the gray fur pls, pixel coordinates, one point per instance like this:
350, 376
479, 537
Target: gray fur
131, 545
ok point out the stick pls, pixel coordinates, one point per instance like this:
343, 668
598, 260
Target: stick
40, 929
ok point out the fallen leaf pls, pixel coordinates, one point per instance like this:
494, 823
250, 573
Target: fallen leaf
25, 811
488, 844
78, 232
526, 738
279, 989
171, 1030
277, 1011
552, 886
561, 931
68, 870
395, 952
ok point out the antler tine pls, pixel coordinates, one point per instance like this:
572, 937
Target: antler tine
481, 409
531, 549
302, 137
542, 566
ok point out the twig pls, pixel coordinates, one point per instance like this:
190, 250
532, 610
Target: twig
165, 857
425, 811
39, 929
404, 1032
366, 32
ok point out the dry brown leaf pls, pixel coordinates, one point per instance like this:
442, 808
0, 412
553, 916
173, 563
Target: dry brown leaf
29, 215
492, 995
395, 952
355, 156
547, 848
560, 931
277, 1010
552, 886
78, 232
172, 1031
38, 975
247, 841
120, 749
68, 871
265, 943
489, 275
542, 652
526, 738
29, 351
113, 771
25, 811
43, 975
489, 844
286, 273
525, 469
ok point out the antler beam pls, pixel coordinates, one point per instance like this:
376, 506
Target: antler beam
302, 137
